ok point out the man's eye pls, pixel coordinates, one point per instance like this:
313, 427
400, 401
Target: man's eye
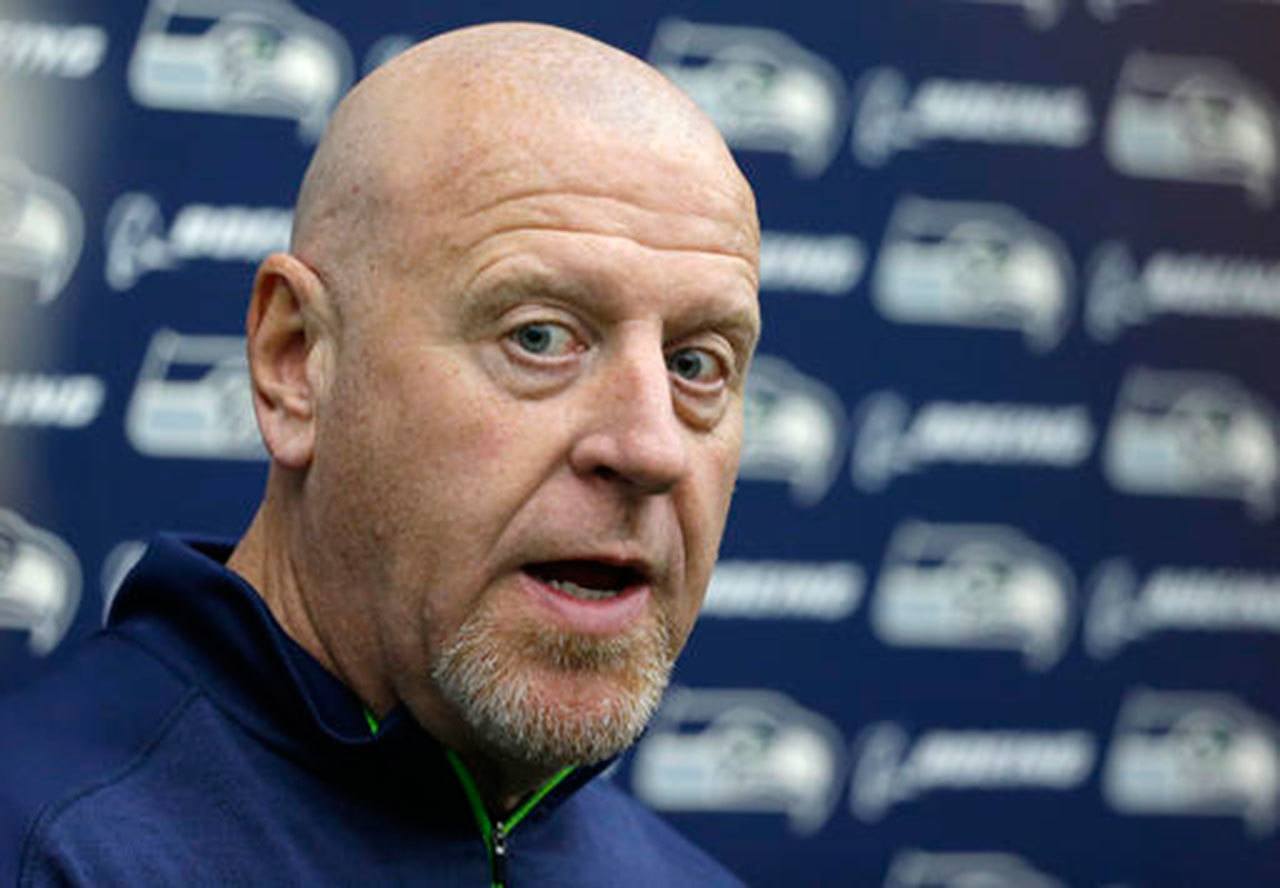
544, 338
695, 365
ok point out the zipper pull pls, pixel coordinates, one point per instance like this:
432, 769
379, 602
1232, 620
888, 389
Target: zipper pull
499, 855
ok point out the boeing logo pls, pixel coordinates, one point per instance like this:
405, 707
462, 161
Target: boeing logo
892, 768
1192, 119
973, 587
41, 232
1176, 284
50, 401
795, 430
39, 583
740, 751
830, 265
52, 50
978, 265
243, 57
1193, 754
892, 117
192, 399
826, 591
763, 90
892, 439
139, 242
1192, 434
1125, 607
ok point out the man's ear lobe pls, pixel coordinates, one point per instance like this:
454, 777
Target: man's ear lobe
288, 342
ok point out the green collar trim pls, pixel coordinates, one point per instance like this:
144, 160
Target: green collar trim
472, 791
538, 795
473, 797
494, 836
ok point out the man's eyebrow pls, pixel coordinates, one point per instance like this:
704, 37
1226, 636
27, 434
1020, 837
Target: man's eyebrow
739, 323
485, 302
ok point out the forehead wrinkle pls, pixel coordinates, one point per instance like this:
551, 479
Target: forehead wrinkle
534, 192
674, 173
646, 219
672, 246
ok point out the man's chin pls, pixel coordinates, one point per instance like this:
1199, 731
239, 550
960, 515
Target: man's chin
548, 699
573, 720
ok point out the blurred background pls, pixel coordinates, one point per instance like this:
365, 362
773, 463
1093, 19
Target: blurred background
999, 602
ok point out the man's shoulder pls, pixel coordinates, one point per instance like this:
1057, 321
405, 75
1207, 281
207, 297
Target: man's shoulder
632, 839
75, 730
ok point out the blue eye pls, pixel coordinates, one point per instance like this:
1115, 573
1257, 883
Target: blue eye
694, 365
543, 339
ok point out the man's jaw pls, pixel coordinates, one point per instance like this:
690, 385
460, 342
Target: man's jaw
541, 696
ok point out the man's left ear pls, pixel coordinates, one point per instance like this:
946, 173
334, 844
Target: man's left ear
289, 334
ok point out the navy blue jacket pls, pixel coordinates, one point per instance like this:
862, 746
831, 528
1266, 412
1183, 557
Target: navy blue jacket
193, 742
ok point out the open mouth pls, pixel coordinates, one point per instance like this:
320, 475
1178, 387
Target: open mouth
587, 580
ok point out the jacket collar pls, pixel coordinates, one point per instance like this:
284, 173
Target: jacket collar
209, 625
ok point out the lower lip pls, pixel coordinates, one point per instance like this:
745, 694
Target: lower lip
605, 616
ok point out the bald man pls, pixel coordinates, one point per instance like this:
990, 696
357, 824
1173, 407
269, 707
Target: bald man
500, 377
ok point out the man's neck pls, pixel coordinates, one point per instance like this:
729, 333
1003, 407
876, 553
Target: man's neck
264, 558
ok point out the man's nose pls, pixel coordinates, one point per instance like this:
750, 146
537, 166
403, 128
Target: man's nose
633, 433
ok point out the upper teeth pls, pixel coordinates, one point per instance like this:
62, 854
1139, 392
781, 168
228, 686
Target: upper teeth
571, 588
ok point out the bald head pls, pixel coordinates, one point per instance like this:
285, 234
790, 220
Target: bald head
461, 111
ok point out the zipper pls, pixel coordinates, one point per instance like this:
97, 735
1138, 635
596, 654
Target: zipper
494, 835
498, 855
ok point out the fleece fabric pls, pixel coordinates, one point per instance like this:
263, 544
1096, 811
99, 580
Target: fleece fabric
192, 742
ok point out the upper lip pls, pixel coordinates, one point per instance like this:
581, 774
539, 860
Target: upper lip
645, 569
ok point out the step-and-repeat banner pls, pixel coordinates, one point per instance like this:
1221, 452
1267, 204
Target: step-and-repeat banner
999, 602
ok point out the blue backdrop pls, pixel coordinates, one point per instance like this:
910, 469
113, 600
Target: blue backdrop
1000, 597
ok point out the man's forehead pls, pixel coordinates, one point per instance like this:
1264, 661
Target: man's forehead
443, 139
527, 134
601, 170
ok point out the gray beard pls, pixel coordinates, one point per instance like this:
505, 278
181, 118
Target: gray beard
492, 674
